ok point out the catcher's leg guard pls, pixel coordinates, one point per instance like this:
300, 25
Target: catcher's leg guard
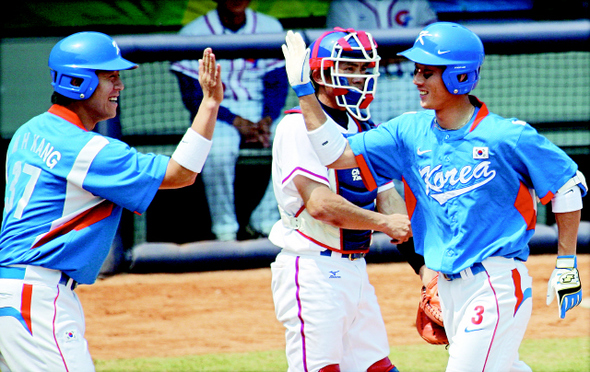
331, 368
384, 365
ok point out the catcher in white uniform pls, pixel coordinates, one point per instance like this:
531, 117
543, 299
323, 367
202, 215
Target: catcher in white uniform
320, 286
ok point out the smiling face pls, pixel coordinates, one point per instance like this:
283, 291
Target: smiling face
102, 104
433, 92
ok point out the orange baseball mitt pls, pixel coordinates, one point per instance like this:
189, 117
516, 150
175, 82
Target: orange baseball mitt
429, 321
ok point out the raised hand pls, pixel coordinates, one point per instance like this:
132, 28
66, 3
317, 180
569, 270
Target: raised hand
210, 77
297, 63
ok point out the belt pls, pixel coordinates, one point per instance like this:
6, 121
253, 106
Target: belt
65, 280
18, 272
349, 256
475, 269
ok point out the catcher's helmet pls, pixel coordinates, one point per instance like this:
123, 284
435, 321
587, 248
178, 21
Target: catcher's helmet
451, 45
74, 60
340, 45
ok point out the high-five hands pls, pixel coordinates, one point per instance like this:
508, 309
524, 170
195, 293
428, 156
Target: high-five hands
210, 76
297, 63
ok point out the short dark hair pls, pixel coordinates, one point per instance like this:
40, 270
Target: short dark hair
59, 99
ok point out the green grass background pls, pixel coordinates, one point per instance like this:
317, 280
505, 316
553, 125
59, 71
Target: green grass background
545, 355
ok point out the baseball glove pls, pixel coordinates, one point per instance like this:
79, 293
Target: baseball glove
429, 321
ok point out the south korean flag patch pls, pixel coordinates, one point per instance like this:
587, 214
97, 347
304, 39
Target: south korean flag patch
481, 153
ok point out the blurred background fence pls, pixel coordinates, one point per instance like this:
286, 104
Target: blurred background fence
536, 71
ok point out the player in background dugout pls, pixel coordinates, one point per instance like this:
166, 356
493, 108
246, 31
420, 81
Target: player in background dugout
321, 289
255, 93
65, 191
397, 93
472, 181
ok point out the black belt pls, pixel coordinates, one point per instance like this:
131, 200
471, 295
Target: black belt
349, 256
65, 280
475, 269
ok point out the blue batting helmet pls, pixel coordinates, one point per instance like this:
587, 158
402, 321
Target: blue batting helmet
335, 47
451, 45
75, 59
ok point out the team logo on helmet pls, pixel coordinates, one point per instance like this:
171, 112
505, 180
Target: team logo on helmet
421, 35
451, 45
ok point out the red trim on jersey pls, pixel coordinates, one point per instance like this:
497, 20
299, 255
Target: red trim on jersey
88, 218
67, 114
25, 305
547, 198
525, 205
411, 200
368, 179
481, 114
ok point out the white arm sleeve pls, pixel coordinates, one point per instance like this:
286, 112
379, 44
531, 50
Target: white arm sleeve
569, 197
327, 141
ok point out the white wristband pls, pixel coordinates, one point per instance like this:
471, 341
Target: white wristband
328, 142
192, 151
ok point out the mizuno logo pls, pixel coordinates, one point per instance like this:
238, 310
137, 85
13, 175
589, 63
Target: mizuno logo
437, 180
334, 274
422, 152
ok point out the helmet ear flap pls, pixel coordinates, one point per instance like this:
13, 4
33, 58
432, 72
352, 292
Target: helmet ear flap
77, 86
460, 81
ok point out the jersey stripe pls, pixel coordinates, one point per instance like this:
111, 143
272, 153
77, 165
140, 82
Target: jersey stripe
78, 203
525, 205
368, 179
89, 217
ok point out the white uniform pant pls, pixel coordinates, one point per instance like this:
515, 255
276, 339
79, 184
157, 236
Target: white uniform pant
219, 173
41, 323
486, 316
330, 312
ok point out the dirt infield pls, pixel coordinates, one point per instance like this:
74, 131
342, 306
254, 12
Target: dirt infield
162, 315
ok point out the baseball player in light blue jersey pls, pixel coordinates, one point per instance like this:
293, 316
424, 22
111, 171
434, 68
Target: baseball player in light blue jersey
321, 289
65, 191
472, 180
255, 93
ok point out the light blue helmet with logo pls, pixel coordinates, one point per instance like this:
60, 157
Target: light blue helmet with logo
451, 45
75, 59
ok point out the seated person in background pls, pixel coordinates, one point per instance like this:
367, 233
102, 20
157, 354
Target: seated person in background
254, 95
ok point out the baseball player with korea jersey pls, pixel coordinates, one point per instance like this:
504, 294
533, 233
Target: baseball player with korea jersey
320, 286
65, 191
254, 95
471, 182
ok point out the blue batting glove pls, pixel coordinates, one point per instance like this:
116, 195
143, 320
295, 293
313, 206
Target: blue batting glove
565, 283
